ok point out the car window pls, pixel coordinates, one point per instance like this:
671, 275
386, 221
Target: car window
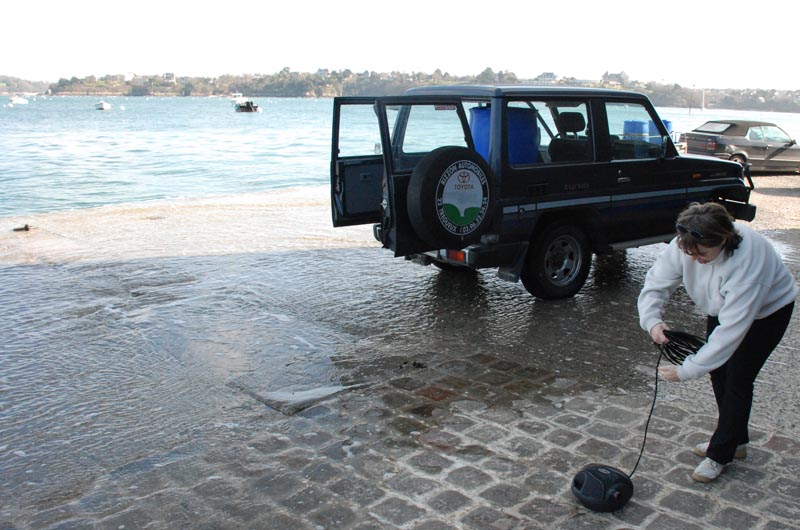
713, 127
359, 133
547, 131
633, 133
432, 126
775, 134
755, 134
419, 128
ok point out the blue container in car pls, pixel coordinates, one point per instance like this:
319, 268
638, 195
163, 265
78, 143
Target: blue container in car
523, 134
635, 130
479, 126
655, 135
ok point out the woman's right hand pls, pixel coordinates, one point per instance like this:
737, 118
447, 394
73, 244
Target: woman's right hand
657, 333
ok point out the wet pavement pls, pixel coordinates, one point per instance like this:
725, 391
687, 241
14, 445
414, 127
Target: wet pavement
330, 386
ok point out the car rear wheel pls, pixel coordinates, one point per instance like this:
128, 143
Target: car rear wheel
451, 197
558, 262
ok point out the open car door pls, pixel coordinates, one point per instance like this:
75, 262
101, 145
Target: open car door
429, 136
401, 181
357, 168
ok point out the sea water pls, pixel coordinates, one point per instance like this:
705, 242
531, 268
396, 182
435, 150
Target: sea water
61, 153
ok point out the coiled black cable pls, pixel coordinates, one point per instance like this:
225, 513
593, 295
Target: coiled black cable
680, 345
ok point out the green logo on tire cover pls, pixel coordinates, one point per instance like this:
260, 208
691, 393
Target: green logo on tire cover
462, 197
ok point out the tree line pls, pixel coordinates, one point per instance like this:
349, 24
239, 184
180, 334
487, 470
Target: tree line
330, 83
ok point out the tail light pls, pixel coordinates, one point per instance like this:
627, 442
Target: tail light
457, 255
711, 144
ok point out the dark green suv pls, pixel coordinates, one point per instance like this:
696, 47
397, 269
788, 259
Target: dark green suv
528, 180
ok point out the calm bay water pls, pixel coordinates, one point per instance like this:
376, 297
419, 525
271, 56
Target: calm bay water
61, 153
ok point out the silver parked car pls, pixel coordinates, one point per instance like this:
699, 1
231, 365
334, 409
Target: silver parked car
763, 145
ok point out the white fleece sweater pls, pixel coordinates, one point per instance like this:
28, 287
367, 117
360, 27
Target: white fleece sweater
751, 284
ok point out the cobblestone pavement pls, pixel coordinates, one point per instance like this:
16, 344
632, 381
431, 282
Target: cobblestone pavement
479, 442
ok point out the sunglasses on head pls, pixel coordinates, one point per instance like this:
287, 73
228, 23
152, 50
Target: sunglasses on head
686, 230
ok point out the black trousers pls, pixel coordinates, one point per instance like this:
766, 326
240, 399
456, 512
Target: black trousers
733, 381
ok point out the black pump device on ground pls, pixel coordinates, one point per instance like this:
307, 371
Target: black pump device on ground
603, 488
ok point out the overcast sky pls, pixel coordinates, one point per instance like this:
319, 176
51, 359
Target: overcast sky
712, 44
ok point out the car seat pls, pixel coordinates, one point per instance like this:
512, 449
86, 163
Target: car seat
568, 146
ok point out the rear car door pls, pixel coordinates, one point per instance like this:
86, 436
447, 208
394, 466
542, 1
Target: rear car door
357, 167
560, 173
418, 125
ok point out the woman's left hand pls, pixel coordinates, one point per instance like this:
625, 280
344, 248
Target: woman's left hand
668, 373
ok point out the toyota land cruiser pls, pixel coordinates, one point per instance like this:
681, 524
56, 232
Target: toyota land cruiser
528, 180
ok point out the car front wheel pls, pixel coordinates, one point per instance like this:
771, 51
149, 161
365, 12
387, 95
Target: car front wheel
739, 159
558, 262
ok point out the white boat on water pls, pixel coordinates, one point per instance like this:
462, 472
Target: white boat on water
17, 99
103, 106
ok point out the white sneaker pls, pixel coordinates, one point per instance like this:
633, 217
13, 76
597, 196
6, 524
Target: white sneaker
707, 471
701, 448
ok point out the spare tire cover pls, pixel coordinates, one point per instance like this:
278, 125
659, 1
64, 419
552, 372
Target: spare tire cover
451, 197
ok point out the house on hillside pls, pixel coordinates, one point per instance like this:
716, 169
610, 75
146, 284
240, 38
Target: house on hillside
545, 78
615, 80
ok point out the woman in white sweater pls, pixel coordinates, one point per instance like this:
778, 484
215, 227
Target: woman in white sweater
735, 276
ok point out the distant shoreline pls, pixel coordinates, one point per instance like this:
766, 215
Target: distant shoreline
331, 83
657, 102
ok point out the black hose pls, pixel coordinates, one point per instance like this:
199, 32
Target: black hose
649, 417
680, 345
